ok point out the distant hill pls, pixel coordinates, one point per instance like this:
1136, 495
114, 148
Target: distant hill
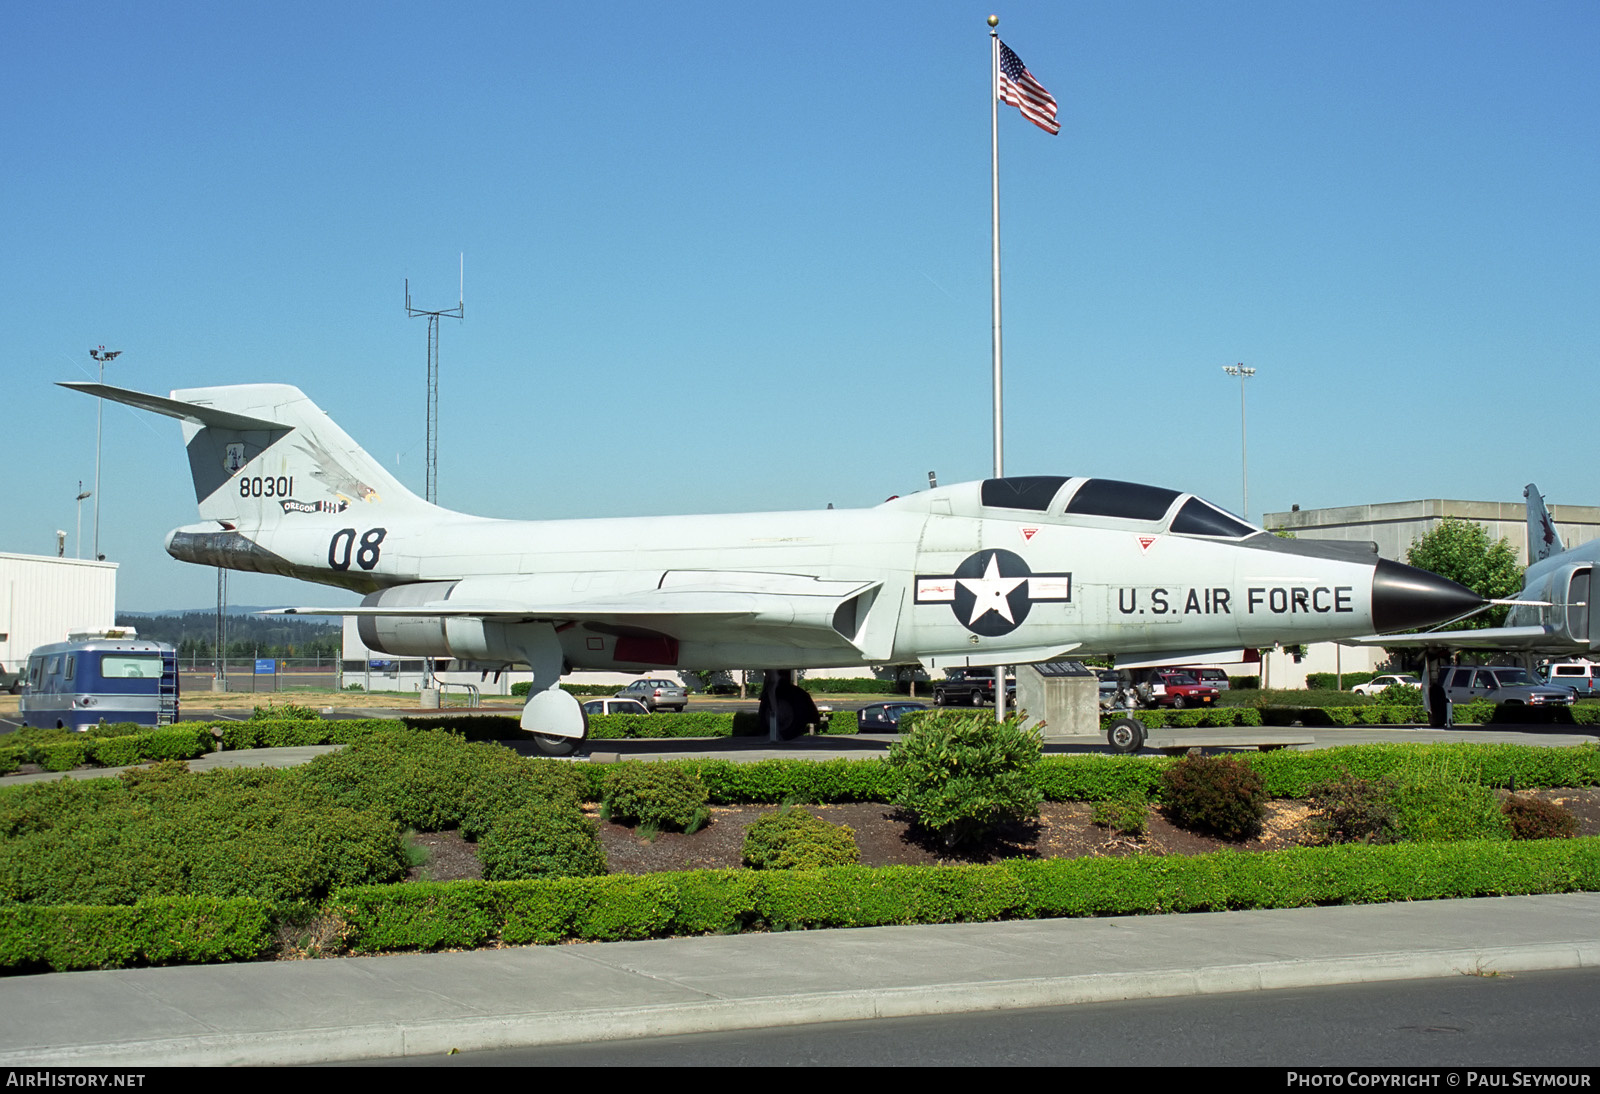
194, 633
231, 611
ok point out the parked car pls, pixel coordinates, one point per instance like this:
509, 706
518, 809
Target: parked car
884, 717
1578, 675
1177, 689
1388, 680
11, 681
969, 687
1215, 678
1512, 686
615, 706
656, 694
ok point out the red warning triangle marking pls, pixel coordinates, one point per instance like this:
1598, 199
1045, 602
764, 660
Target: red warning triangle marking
1029, 533
1145, 542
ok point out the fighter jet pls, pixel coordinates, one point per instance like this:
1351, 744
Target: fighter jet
1000, 572
1551, 613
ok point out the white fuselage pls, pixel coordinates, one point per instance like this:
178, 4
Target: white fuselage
1091, 585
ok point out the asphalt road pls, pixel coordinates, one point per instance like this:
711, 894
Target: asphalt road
1526, 1020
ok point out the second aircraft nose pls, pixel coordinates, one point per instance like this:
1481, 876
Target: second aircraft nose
1404, 597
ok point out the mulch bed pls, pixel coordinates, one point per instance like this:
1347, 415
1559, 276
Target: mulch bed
888, 838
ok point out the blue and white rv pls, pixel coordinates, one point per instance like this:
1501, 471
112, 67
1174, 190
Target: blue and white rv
107, 677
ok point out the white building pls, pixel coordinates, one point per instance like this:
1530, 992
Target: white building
45, 599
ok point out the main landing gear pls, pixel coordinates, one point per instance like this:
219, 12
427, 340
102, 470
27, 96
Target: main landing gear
786, 708
554, 717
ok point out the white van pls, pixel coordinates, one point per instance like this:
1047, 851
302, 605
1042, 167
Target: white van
1579, 675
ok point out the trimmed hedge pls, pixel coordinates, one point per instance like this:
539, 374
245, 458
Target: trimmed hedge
469, 914
1096, 777
298, 733
161, 931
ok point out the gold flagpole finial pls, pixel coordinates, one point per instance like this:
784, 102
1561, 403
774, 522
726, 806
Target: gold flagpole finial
994, 20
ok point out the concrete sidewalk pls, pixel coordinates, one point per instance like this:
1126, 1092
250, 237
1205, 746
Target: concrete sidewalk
423, 1004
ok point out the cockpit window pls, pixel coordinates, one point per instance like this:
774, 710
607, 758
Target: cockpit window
1197, 518
1034, 492
1129, 500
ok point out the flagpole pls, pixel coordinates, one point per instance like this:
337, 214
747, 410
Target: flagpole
994, 235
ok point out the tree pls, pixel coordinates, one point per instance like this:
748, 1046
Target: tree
1460, 550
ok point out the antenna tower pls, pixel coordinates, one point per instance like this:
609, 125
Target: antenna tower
457, 312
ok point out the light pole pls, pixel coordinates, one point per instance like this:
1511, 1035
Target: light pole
77, 543
1244, 442
104, 357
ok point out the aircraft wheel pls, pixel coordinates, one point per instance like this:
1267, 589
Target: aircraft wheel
795, 711
1125, 735
551, 745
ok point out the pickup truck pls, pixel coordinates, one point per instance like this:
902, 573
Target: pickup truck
11, 681
969, 687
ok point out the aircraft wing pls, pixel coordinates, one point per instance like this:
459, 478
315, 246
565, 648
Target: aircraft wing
608, 610
775, 609
1534, 639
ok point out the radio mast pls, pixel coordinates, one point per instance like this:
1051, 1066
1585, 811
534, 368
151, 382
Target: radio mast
457, 312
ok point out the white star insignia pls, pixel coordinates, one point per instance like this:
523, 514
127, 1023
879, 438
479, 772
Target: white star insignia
990, 591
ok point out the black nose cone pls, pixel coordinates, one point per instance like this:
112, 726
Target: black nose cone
1404, 597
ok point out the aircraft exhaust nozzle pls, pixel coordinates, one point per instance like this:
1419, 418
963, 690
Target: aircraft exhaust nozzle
1404, 597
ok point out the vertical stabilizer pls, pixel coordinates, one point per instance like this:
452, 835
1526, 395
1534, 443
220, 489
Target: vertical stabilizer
259, 453
1543, 539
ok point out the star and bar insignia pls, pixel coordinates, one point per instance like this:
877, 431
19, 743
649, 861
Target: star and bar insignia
992, 591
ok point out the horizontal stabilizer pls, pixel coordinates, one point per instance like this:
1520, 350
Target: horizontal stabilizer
175, 408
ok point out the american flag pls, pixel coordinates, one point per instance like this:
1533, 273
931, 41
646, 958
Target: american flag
1021, 90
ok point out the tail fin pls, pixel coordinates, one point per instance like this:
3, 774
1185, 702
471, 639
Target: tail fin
260, 451
1543, 539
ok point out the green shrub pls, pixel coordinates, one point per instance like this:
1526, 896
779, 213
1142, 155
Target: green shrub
1218, 794
1127, 816
1399, 695
1353, 810
1327, 681
965, 775
430, 781
545, 839
794, 839
507, 782
1535, 818
1442, 810
162, 831
292, 712
655, 795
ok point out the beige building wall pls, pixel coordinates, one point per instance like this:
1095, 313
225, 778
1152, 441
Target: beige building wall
1394, 526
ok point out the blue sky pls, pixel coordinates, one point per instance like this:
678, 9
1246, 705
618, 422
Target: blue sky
735, 256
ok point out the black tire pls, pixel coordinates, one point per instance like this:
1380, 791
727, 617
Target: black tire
1177, 702
938, 697
551, 745
793, 709
1125, 735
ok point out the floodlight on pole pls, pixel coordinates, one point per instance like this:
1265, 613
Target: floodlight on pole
77, 543
1244, 445
104, 357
